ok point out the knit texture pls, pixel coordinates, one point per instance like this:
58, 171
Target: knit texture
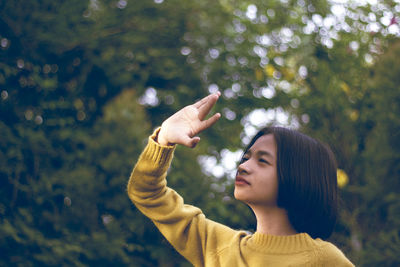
206, 243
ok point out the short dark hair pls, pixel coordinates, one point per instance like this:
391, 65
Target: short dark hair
307, 181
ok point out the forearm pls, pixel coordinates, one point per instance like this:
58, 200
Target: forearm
184, 226
148, 176
148, 191
147, 186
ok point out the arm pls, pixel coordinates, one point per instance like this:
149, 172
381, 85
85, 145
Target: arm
184, 226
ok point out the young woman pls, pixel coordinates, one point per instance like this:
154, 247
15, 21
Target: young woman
287, 178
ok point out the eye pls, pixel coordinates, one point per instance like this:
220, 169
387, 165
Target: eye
264, 161
243, 159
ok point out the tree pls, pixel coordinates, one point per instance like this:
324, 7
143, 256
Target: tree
382, 174
82, 84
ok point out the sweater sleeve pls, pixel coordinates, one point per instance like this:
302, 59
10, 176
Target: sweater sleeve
330, 255
184, 226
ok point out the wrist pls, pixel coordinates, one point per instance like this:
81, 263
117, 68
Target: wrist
160, 139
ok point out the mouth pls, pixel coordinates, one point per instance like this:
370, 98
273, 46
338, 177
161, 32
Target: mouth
241, 181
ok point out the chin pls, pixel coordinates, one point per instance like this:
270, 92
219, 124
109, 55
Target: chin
238, 196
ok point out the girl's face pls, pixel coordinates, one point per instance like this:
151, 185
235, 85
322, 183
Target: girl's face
256, 180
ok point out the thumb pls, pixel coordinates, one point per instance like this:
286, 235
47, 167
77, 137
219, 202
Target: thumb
191, 142
195, 141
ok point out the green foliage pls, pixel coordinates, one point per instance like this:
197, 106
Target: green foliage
380, 192
83, 83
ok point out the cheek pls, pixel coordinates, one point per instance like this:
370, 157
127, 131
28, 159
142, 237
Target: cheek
270, 183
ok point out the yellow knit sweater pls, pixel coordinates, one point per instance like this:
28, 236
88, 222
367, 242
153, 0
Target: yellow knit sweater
206, 243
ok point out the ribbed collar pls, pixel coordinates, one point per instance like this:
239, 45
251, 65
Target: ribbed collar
281, 244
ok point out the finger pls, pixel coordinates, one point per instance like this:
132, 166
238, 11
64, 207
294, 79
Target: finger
205, 108
204, 100
209, 122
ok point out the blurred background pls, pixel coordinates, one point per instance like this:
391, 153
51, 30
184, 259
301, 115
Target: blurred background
83, 84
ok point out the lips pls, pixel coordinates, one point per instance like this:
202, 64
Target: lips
241, 181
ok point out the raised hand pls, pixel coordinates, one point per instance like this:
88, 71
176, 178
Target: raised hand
184, 125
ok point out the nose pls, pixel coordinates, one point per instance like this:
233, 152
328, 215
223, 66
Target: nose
243, 168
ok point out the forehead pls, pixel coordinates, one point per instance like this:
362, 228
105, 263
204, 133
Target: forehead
265, 143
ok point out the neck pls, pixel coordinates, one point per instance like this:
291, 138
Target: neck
273, 221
